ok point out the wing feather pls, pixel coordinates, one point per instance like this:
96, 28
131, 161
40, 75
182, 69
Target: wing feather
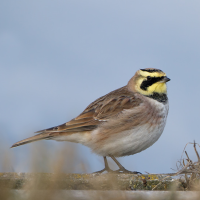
98, 112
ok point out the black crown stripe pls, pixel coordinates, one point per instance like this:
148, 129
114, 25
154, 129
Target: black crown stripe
151, 70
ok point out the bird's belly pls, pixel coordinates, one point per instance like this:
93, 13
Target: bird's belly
131, 141
134, 140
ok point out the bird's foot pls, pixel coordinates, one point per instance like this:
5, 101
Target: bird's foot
125, 171
103, 170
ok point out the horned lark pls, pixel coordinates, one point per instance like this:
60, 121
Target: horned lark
121, 123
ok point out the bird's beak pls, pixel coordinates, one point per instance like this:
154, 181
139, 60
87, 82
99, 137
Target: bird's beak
165, 79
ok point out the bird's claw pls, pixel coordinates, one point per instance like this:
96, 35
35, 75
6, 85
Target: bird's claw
125, 171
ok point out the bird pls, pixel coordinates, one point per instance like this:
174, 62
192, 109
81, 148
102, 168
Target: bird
123, 122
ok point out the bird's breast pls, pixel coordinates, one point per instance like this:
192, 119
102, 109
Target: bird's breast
137, 138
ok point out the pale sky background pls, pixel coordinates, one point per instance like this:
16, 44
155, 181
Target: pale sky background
56, 57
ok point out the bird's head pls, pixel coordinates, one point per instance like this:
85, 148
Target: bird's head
149, 81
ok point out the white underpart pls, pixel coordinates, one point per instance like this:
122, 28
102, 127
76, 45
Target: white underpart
136, 140
81, 138
127, 142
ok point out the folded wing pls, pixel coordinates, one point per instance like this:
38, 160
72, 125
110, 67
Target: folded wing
98, 112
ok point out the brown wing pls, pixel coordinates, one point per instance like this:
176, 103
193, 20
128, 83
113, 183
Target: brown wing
99, 111
96, 113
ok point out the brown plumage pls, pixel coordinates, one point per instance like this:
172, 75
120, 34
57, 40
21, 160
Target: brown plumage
95, 114
123, 122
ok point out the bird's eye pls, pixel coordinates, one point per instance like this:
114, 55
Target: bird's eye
148, 78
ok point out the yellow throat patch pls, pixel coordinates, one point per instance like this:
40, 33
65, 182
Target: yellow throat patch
148, 83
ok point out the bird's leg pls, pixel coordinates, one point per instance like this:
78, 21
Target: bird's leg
107, 168
122, 169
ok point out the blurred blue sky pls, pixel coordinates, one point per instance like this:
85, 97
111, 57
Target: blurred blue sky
56, 57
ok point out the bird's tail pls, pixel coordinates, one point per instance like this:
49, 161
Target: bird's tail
41, 136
